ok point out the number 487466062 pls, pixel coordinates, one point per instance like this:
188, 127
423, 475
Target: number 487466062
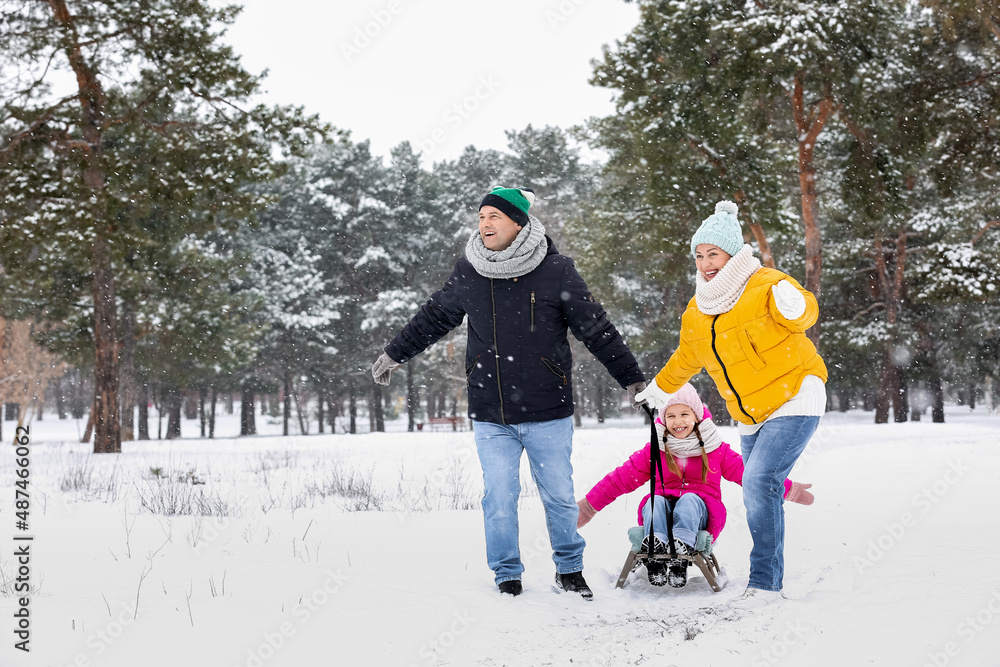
22, 499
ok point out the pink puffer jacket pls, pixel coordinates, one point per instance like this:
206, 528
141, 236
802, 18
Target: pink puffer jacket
634, 473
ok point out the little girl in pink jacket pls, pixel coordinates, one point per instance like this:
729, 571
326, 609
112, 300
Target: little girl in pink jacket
695, 459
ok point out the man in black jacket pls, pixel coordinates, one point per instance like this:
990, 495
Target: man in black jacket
520, 296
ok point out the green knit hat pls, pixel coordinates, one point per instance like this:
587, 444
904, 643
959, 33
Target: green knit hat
722, 229
514, 202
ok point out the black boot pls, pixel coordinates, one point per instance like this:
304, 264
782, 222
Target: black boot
512, 587
656, 571
677, 573
677, 570
574, 583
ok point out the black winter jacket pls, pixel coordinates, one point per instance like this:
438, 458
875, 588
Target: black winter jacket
518, 361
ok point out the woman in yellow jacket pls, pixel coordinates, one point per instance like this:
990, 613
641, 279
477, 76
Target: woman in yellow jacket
746, 326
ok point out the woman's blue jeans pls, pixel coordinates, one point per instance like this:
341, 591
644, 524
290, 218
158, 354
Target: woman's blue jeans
548, 445
768, 457
689, 512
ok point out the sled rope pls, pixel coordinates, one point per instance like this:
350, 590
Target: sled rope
656, 465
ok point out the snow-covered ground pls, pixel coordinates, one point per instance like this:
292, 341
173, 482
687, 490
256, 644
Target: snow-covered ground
368, 550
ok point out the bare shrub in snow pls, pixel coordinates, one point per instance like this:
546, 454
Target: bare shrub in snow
82, 477
169, 498
352, 486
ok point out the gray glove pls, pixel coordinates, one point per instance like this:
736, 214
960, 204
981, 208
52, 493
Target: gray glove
383, 368
632, 390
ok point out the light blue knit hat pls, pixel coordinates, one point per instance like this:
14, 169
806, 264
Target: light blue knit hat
722, 229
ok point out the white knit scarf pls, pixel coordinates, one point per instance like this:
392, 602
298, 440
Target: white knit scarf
689, 446
721, 293
522, 256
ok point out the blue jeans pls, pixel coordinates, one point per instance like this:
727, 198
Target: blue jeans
768, 457
548, 445
690, 516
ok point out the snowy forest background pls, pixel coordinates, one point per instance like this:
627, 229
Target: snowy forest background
165, 239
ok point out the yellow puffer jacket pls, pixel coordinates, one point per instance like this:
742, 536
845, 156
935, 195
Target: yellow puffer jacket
756, 356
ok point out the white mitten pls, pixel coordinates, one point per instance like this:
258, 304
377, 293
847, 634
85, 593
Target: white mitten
654, 397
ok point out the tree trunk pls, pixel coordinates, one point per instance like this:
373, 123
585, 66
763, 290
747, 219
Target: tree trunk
916, 405
431, 398
442, 402
286, 411
90, 422
843, 400
809, 124
76, 405
886, 387
890, 287
211, 414
248, 424
353, 407
201, 410
144, 410
901, 398
174, 401
377, 414
300, 411
107, 426
600, 402
577, 420
127, 382
937, 407
60, 400
189, 402
158, 404
766, 255
333, 409
987, 391
412, 399
320, 416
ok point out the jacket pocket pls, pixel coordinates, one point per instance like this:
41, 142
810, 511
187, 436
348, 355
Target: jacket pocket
469, 370
558, 372
749, 350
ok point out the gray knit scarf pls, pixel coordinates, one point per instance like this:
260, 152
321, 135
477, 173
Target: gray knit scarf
689, 446
522, 256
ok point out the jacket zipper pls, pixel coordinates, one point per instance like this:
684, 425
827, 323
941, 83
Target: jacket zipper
558, 372
496, 350
532, 310
739, 401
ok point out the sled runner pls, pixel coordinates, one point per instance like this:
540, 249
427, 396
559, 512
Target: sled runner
705, 560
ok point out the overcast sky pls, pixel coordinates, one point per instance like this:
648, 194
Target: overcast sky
442, 74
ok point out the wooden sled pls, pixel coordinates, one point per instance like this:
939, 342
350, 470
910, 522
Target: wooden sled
706, 562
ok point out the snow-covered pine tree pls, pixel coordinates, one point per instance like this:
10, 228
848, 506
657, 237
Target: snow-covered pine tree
917, 172
93, 88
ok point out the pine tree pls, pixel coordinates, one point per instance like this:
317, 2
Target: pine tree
150, 83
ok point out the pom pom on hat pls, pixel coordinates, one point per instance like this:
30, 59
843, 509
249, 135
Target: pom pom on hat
686, 395
721, 229
726, 207
513, 202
